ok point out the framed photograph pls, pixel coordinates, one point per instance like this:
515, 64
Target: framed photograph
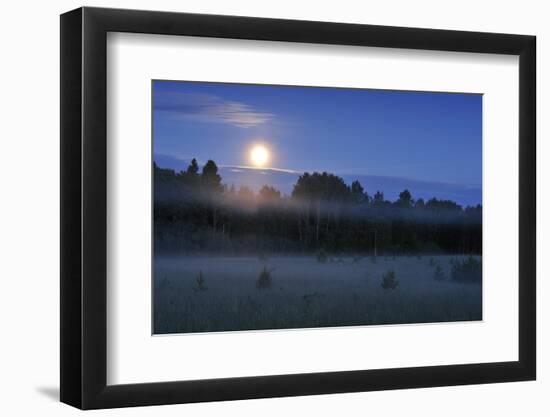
257, 208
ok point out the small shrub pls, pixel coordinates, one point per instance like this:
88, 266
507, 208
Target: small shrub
264, 280
322, 256
432, 262
439, 275
200, 282
467, 271
388, 280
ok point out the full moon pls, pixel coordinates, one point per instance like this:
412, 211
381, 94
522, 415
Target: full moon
259, 155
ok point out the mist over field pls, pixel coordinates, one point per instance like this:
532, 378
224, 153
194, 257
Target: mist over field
304, 293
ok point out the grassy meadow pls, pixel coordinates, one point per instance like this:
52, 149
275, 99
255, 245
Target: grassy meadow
224, 293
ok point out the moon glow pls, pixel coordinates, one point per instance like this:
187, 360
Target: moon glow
259, 155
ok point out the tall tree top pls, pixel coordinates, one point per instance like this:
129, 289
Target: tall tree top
210, 176
323, 186
405, 199
193, 168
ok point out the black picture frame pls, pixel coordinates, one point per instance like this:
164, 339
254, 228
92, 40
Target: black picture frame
84, 207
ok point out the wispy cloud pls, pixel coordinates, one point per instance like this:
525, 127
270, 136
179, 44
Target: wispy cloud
242, 168
210, 109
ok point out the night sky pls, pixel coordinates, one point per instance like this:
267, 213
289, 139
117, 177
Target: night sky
434, 137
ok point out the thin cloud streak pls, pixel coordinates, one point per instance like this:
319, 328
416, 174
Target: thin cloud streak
247, 167
207, 108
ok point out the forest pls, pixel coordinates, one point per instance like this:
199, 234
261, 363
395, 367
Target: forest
195, 212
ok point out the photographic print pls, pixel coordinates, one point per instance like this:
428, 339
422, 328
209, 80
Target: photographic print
284, 207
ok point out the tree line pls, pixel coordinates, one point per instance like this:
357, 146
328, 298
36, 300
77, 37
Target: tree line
194, 211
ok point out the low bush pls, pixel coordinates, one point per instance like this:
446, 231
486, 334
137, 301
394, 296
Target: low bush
439, 275
200, 282
388, 280
467, 271
322, 256
264, 280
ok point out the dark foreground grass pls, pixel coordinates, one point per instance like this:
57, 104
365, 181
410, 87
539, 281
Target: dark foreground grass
305, 293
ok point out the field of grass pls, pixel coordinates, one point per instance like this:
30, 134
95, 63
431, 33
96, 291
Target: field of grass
203, 294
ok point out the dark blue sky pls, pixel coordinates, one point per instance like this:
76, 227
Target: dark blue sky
415, 135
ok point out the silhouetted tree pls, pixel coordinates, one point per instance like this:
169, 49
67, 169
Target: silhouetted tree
245, 193
405, 199
210, 177
193, 168
212, 184
419, 204
163, 174
269, 194
378, 198
358, 192
317, 192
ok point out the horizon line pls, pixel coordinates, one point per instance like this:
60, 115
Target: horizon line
300, 172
